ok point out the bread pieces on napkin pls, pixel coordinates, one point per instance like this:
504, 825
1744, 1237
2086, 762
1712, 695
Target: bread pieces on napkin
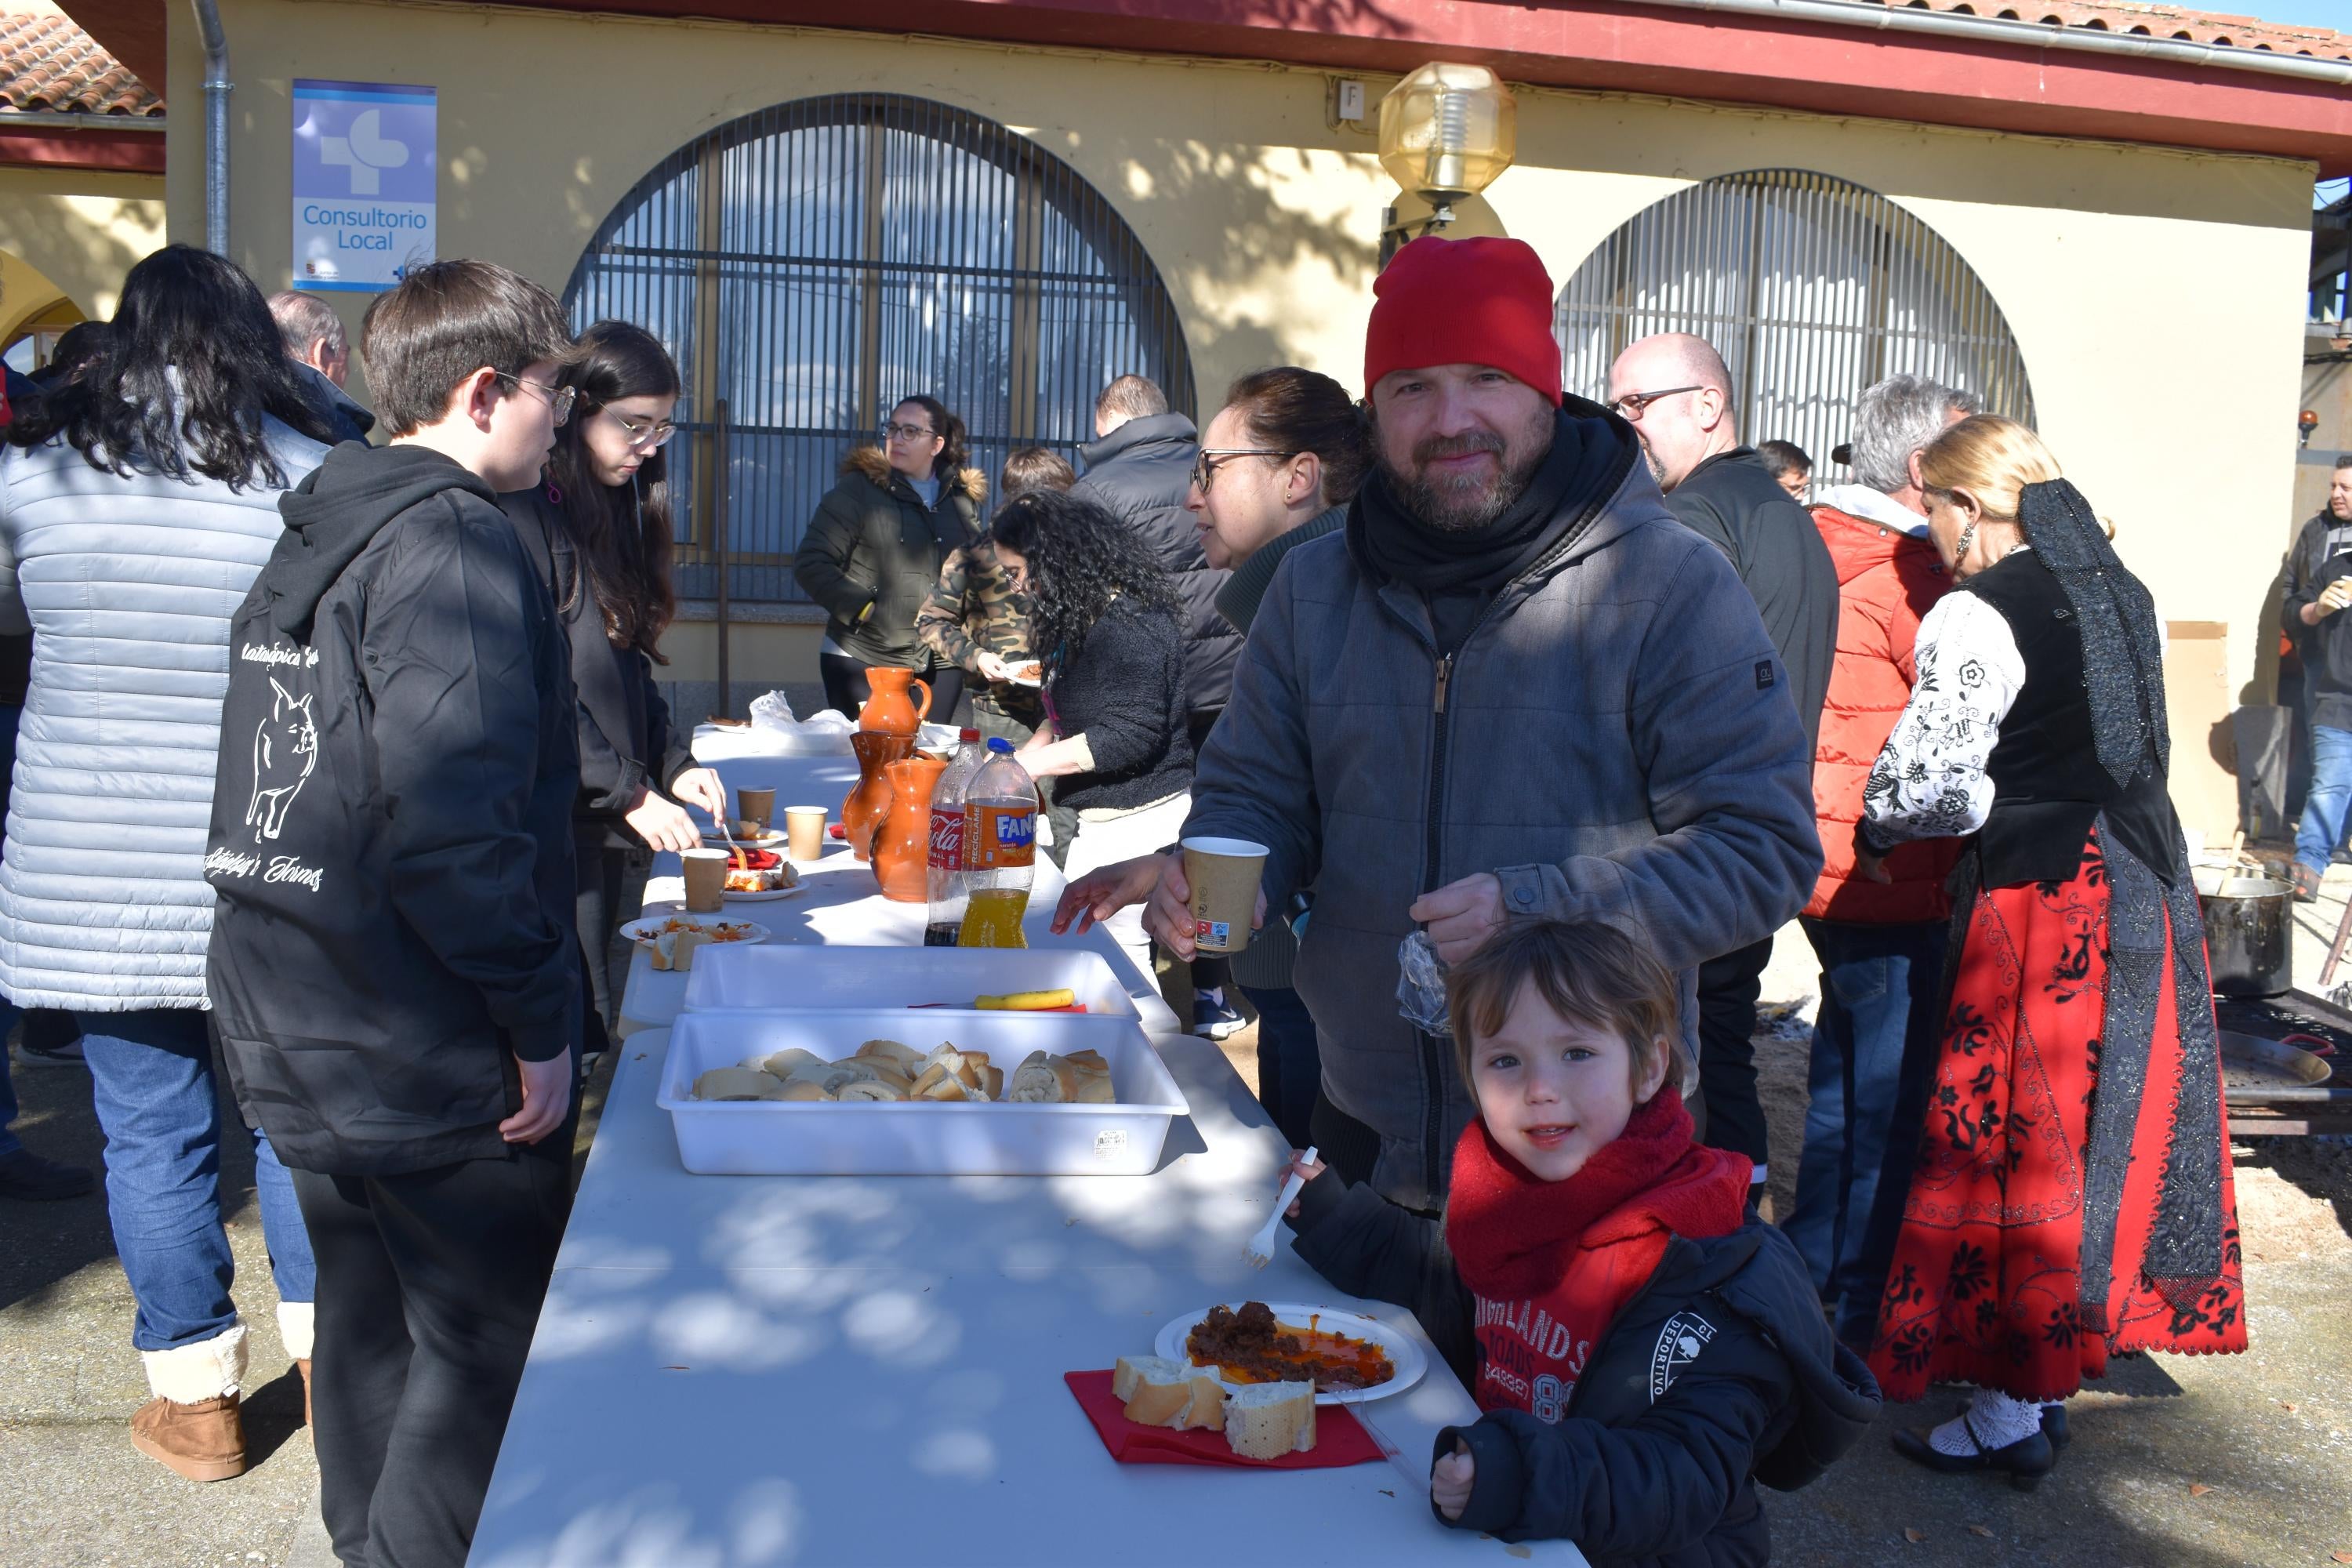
1267, 1420
1162, 1393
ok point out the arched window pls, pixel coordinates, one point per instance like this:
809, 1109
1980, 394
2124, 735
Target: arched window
812, 264
1810, 287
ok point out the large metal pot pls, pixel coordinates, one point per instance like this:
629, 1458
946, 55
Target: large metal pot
2249, 931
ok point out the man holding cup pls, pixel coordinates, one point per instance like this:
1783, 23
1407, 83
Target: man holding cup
2318, 586
1513, 685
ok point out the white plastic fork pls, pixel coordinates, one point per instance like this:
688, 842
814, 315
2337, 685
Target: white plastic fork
1260, 1247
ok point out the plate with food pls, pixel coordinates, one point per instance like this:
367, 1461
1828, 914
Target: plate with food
1350, 1358
747, 834
757, 875
650, 930
1030, 674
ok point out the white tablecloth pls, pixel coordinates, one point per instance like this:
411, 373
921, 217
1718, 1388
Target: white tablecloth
751, 1371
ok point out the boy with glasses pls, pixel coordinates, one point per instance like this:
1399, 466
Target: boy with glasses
392, 970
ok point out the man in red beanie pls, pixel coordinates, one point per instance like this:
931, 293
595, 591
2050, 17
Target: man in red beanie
1512, 686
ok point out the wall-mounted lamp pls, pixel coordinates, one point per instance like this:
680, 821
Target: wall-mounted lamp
2305, 423
1446, 132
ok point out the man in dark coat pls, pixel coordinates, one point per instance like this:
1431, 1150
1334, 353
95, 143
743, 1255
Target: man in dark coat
315, 340
2318, 586
1675, 391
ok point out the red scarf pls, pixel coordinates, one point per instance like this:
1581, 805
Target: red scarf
1553, 1263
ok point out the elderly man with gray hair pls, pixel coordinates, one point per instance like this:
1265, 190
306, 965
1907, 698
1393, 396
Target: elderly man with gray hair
315, 341
1877, 927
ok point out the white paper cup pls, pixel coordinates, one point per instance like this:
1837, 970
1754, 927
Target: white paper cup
1224, 875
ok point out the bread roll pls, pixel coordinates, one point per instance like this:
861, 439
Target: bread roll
1267, 1420
1094, 1088
992, 1087
869, 1067
785, 1063
1162, 1392
736, 1084
939, 1084
871, 1089
1089, 1060
827, 1077
908, 1058
1044, 1080
804, 1089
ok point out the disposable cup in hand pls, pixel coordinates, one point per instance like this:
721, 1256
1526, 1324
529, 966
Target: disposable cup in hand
1224, 875
804, 831
757, 806
706, 879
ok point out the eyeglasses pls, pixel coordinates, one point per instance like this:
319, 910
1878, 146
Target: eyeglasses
559, 398
644, 434
908, 432
1204, 472
1629, 407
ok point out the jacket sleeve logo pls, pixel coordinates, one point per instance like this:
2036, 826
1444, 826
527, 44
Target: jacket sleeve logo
285, 750
1679, 1342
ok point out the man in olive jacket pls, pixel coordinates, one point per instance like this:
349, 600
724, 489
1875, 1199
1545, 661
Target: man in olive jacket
1513, 685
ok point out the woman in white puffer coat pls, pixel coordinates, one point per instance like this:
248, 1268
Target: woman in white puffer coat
137, 505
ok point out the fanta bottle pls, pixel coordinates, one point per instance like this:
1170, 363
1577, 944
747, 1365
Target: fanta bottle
1000, 850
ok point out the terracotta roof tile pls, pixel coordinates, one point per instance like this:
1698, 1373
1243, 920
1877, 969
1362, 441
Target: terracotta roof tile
48, 66
2155, 21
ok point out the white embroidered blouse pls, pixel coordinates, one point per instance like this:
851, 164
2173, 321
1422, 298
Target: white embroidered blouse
1930, 781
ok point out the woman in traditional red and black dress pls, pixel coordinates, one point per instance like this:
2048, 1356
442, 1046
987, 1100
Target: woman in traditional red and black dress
2072, 1198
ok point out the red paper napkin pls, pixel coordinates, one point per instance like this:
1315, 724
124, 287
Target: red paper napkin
1340, 1438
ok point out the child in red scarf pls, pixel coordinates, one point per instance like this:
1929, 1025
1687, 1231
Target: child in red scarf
1641, 1354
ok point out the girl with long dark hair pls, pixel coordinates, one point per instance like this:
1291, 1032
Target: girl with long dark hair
599, 528
137, 502
875, 548
1111, 632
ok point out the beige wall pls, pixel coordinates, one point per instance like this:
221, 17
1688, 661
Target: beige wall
2156, 295
78, 232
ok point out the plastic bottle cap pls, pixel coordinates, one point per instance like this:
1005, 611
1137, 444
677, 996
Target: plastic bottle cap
967, 735
999, 745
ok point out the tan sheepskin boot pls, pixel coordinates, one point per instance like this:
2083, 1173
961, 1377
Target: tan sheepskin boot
193, 1427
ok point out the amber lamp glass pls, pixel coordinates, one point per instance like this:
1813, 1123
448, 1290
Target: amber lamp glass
1447, 131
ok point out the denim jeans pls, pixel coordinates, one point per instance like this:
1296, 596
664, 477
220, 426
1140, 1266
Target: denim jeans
1289, 1060
150, 1076
2330, 794
1874, 1044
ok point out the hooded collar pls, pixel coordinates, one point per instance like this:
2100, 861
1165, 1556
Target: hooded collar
339, 508
1171, 429
1872, 506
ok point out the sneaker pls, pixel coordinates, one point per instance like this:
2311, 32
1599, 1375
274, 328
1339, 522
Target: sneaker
2307, 884
1216, 1020
25, 1174
65, 1056
205, 1441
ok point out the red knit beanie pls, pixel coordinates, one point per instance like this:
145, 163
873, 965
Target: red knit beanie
1464, 302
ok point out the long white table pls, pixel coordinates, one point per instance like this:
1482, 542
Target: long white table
752, 1371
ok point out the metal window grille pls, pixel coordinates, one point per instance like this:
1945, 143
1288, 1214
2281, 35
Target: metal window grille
1812, 287
814, 263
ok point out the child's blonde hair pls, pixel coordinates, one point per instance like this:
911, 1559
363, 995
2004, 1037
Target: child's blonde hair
1589, 973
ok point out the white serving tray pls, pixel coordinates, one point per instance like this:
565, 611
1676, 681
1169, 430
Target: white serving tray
785, 977
769, 1138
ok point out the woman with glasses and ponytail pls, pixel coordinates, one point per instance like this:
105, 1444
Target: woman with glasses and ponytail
875, 548
598, 528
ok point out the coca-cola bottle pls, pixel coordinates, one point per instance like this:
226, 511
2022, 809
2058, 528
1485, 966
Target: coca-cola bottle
947, 871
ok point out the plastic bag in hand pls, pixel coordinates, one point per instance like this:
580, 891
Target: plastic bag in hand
1421, 986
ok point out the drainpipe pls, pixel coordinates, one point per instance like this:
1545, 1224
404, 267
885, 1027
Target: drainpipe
217, 88
1895, 19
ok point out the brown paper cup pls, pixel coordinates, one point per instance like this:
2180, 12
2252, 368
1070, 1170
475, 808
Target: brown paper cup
706, 879
1224, 875
804, 832
757, 806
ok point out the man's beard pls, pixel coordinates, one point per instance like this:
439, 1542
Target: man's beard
1468, 502
1656, 465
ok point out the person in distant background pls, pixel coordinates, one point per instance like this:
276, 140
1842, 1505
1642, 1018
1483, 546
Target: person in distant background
2318, 586
1789, 467
315, 340
77, 348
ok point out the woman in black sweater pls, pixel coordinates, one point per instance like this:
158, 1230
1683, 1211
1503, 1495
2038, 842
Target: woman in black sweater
1112, 637
599, 531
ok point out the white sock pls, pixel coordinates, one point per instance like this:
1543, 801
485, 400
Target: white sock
1995, 1418
295, 1327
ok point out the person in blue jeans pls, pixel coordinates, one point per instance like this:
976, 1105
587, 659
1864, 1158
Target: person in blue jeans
2318, 586
132, 521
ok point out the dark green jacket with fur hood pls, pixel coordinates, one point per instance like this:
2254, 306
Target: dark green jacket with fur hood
874, 550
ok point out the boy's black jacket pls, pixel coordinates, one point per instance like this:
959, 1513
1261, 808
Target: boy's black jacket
1720, 1373
391, 823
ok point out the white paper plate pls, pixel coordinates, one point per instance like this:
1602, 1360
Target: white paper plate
1406, 1354
647, 929
768, 897
768, 840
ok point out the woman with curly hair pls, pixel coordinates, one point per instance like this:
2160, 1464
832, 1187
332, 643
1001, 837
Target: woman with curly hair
1109, 632
2071, 1196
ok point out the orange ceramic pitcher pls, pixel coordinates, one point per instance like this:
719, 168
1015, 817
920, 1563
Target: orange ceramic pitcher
869, 803
902, 848
890, 709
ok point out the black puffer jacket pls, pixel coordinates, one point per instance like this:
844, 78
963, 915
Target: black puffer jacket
343, 412
391, 829
874, 550
1719, 1374
1124, 691
1141, 471
626, 740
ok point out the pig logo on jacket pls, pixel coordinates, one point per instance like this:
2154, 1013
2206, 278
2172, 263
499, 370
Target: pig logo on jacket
285, 750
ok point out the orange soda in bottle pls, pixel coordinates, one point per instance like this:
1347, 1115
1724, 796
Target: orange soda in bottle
1000, 850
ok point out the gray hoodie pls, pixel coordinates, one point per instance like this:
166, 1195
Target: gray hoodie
1615, 741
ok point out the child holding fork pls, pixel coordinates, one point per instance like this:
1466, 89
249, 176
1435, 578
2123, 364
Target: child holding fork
1642, 1356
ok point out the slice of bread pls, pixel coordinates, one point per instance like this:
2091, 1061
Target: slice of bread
787, 1062
736, 1083
908, 1058
1044, 1079
805, 1089
1267, 1420
1162, 1392
872, 1089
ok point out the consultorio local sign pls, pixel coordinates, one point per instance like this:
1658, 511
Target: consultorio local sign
364, 181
